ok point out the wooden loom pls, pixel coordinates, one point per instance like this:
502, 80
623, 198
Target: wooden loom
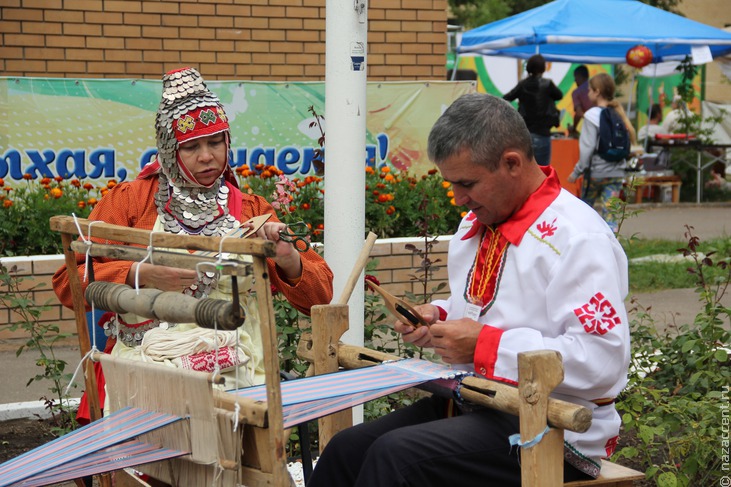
255, 455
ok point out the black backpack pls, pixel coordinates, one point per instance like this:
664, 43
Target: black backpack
614, 142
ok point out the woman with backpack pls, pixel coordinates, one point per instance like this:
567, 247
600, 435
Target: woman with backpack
537, 98
604, 147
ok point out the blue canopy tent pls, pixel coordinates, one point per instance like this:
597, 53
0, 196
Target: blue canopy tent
594, 32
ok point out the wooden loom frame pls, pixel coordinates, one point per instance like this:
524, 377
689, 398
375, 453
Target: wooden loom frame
539, 372
264, 459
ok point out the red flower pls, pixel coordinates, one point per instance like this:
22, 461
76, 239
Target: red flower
372, 278
27, 176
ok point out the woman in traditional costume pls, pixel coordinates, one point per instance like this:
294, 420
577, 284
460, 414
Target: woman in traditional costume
190, 189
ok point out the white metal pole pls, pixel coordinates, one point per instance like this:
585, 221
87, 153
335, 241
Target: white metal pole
345, 136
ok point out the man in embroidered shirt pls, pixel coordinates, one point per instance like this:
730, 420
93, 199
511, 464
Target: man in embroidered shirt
531, 267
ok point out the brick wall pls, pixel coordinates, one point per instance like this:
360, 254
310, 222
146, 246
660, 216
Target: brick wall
396, 265
264, 40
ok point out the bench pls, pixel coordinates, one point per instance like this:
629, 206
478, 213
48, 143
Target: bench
540, 372
650, 183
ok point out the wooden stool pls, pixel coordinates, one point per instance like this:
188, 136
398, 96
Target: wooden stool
659, 182
612, 475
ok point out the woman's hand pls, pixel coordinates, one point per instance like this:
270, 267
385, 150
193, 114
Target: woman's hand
287, 257
161, 277
572, 178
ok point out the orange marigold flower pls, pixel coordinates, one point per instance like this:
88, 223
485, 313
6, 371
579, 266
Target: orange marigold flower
320, 226
452, 202
389, 177
369, 170
266, 174
305, 206
27, 176
380, 185
92, 201
56, 193
46, 186
7, 203
376, 192
8, 189
81, 204
58, 179
2, 182
88, 186
450, 194
446, 184
104, 191
75, 183
390, 210
259, 167
112, 183
463, 214
292, 208
383, 198
385, 169
46, 181
431, 172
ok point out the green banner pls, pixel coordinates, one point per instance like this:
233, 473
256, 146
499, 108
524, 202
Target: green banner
104, 129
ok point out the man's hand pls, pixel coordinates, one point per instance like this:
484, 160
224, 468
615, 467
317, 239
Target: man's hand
419, 336
455, 340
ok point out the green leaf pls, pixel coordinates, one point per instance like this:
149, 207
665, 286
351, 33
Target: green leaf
688, 346
667, 479
720, 355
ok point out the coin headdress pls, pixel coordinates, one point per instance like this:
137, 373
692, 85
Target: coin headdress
189, 110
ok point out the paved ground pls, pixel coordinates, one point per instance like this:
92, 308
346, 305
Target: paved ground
677, 306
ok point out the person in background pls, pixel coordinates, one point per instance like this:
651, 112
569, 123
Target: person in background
190, 189
605, 178
679, 110
537, 99
530, 267
647, 132
580, 97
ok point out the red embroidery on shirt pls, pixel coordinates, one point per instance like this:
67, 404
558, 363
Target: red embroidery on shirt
206, 361
547, 229
598, 315
611, 446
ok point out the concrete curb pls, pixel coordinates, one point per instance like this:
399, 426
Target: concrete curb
30, 409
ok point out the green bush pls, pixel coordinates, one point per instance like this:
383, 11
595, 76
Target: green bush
678, 385
25, 211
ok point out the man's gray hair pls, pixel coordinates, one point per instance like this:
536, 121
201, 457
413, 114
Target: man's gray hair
484, 124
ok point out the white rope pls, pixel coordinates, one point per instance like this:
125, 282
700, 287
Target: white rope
78, 368
86, 241
217, 476
237, 411
137, 269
